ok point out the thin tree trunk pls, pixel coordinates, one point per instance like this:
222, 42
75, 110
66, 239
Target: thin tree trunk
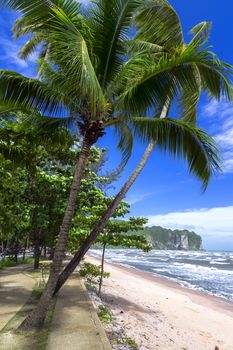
2, 244
69, 269
36, 317
51, 253
24, 248
45, 251
37, 251
27, 246
102, 269
36, 254
16, 250
6, 248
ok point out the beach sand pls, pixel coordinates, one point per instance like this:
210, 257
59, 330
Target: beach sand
160, 314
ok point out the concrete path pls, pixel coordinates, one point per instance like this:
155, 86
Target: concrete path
76, 325
15, 289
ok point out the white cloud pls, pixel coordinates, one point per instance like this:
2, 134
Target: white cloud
10, 51
140, 197
9, 54
10, 48
215, 222
218, 109
219, 116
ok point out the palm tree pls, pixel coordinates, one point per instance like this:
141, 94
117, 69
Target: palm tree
159, 31
98, 79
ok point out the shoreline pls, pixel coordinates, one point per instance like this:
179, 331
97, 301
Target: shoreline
216, 301
161, 314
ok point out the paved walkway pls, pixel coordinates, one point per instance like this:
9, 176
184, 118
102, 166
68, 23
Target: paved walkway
15, 289
76, 325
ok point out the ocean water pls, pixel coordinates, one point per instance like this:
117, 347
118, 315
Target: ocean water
211, 272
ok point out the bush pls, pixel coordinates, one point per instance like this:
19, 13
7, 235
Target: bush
92, 272
10, 262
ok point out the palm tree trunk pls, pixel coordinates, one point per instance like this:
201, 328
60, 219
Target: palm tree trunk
69, 269
102, 222
36, 318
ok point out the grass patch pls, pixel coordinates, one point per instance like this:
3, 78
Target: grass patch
10, 262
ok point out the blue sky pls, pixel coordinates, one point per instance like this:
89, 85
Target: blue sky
165, 192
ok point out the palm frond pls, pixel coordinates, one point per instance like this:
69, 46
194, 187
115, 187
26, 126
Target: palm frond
11, 108
17, 90
145, 83
158, 23
70, 51
21, 27
50, 124
111, 22
34, 7
215, 77
29, 47
143, 48
190, 94
126, 141
201, 32
182, 140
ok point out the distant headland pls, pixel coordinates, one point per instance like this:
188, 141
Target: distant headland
162, 238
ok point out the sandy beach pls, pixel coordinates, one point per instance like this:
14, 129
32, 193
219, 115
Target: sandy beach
160, 314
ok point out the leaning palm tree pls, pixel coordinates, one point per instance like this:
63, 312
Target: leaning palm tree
160, 30
95, 76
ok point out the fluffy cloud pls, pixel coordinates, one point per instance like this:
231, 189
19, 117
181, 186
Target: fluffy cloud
214, 222
220, 120
10, 48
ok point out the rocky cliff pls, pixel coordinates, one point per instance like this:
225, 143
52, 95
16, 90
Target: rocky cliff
161, 238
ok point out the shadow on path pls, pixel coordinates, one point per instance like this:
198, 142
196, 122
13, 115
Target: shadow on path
75, 322
15, 289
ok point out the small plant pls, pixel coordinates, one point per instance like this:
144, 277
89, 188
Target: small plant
45, 268
92, 273
104, 313
131, 342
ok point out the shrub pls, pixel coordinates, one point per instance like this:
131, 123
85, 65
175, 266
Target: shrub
92, 272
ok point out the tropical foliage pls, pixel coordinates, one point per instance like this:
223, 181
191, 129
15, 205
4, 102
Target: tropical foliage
95, 73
